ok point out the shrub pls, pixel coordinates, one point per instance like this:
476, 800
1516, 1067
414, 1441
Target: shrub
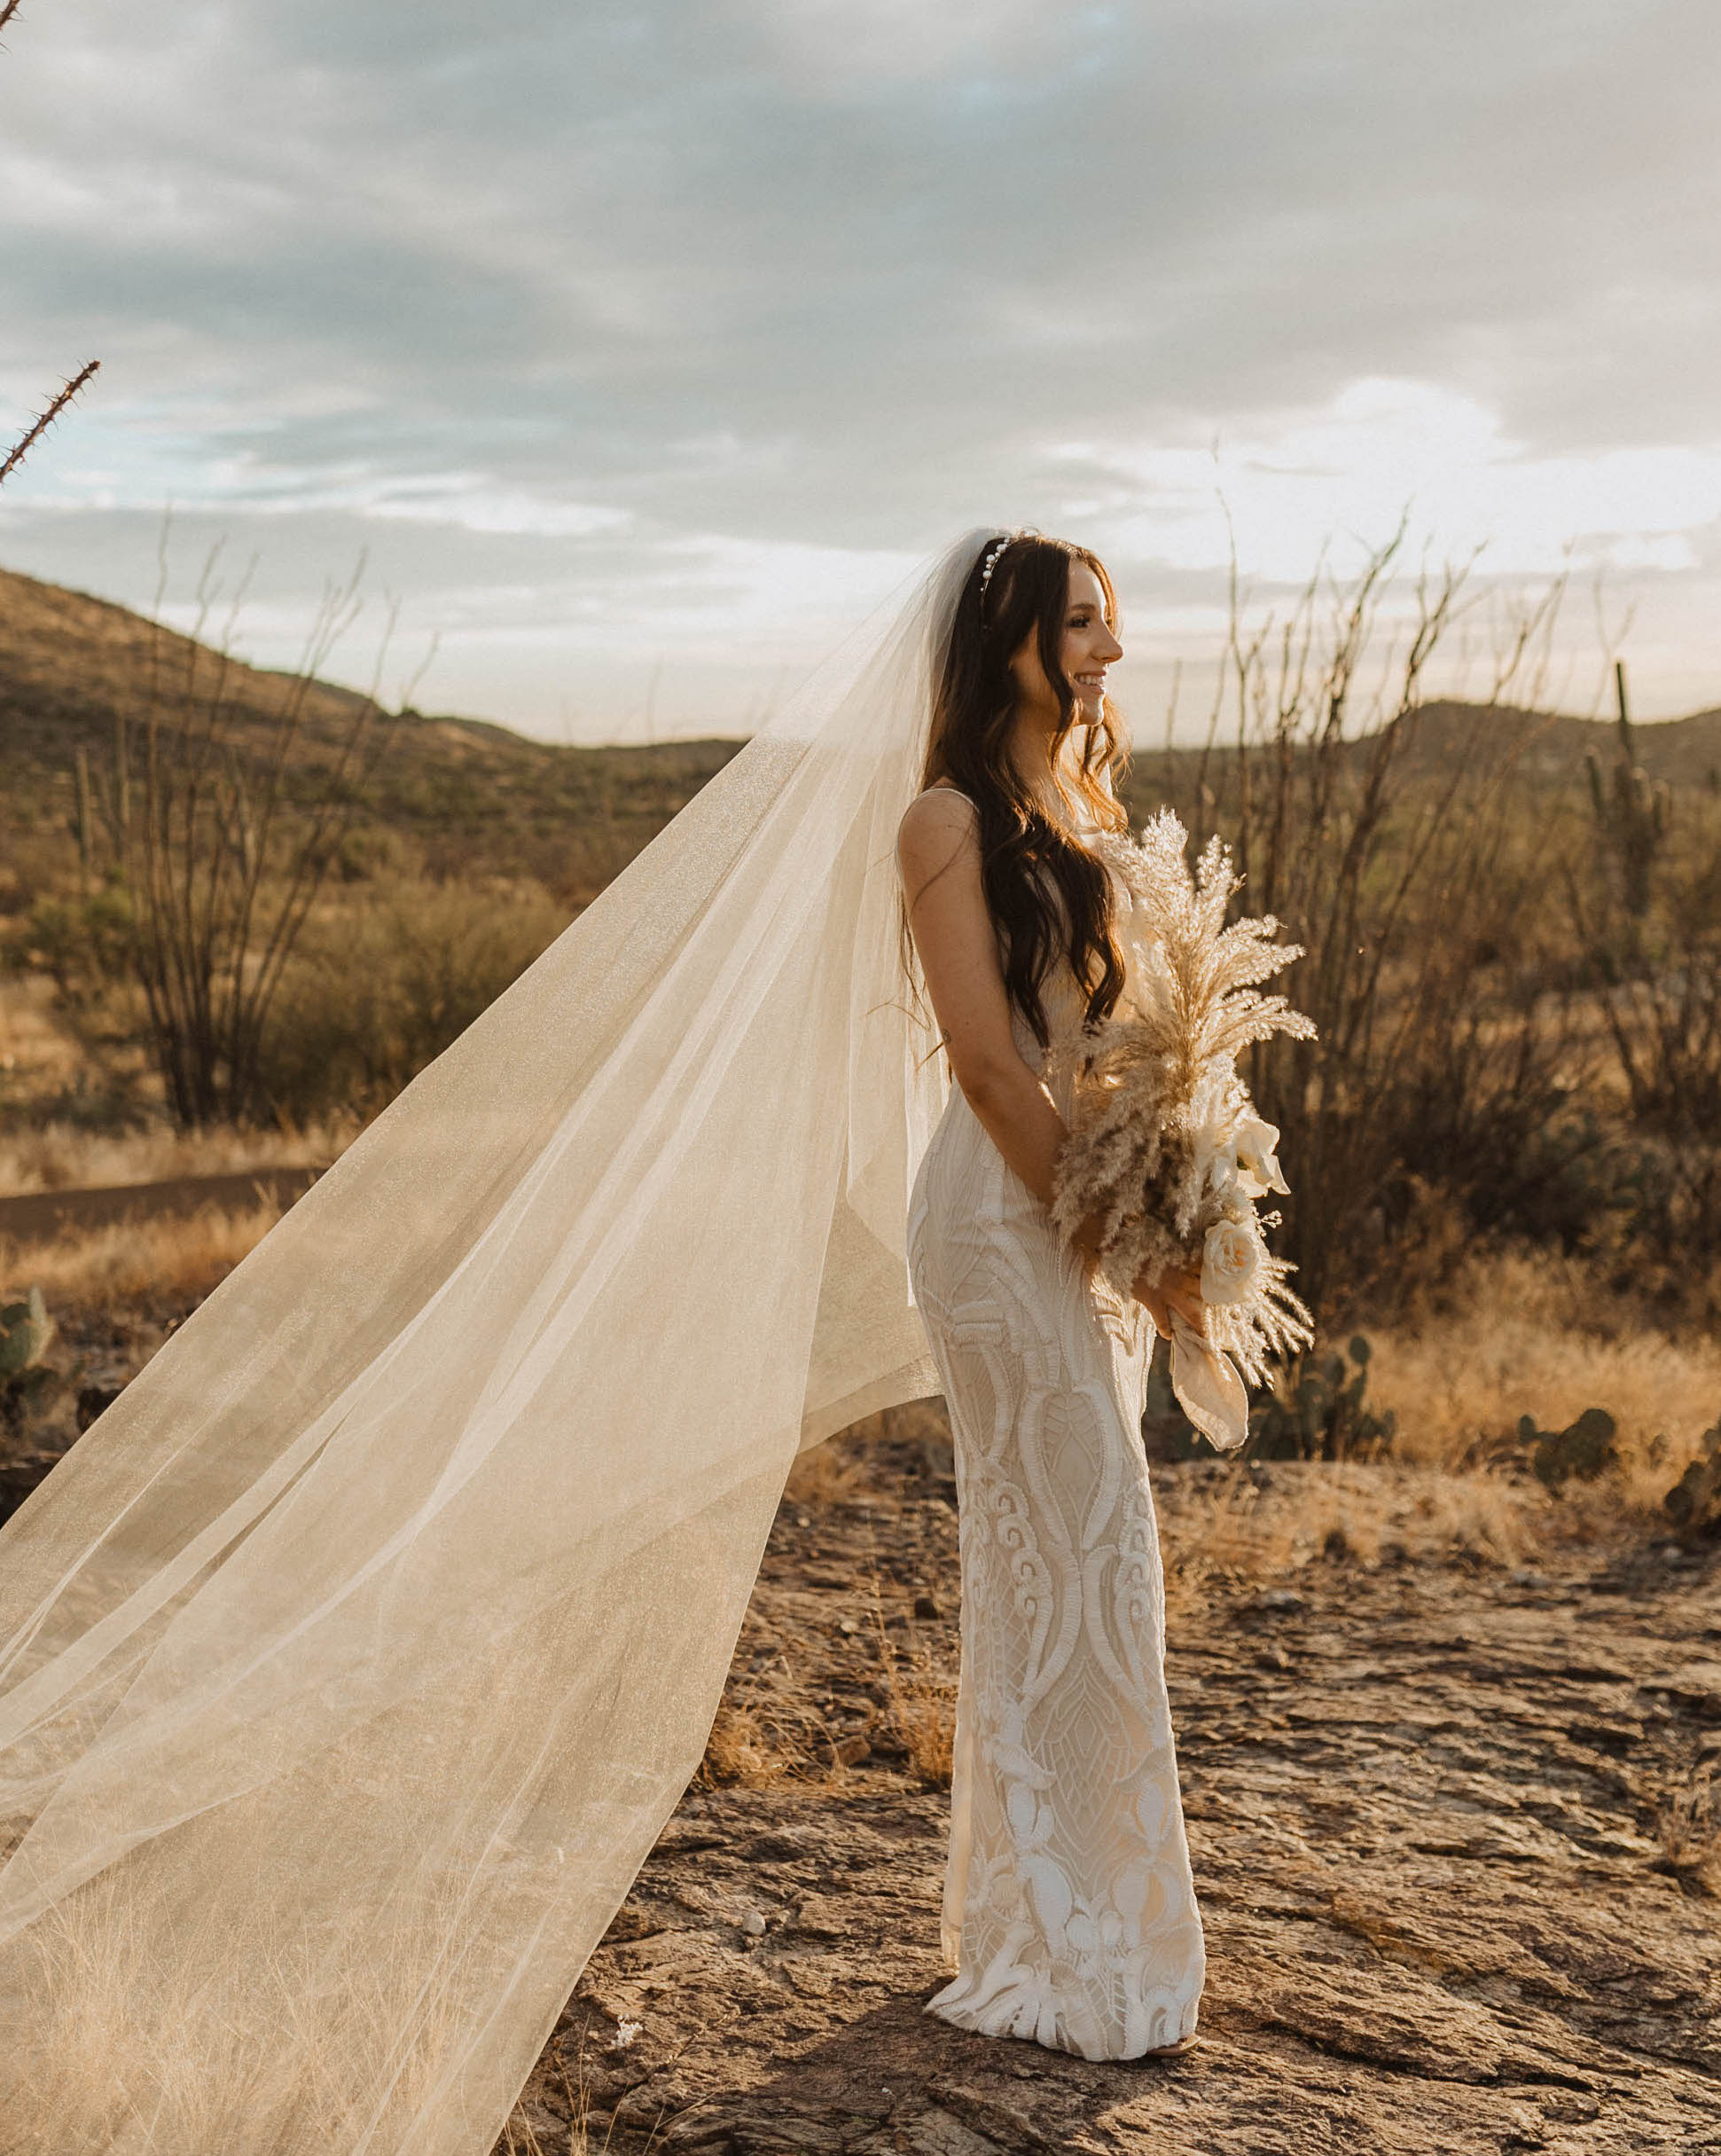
1584, 1448
378, 990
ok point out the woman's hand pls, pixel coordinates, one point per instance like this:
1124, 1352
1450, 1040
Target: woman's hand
1179, 1292
1085, 1243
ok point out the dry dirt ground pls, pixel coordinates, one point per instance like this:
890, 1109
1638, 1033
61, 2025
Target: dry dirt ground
1451, 1829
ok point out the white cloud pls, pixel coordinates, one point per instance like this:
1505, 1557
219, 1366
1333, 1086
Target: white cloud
1381, 448
513, 301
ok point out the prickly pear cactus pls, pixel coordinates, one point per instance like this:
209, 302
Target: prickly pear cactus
1694, 1501
1584, 1448
26, 1329
1323, 1413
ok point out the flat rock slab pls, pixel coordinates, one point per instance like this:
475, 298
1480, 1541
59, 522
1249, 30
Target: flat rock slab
1429, 1810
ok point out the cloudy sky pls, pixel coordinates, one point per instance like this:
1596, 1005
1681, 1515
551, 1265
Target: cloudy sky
641, 348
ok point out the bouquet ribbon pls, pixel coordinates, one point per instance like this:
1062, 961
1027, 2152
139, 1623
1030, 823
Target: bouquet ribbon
1208, 1389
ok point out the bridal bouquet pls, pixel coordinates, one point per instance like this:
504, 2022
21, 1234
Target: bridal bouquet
1165, 1145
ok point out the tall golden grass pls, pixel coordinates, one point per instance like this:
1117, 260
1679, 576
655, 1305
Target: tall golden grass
1239, 1534
1539, 1335
164, 1261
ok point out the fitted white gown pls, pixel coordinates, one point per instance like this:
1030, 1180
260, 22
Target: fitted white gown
1068, 1909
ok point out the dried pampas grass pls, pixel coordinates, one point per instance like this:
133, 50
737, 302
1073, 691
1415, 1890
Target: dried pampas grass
1165, 1147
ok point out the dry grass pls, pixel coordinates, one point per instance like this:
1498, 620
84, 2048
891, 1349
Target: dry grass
831, 1474
752, 1749
60, 1156
176, 1260
573, 2137
769, 1729
36, 1050
920, 1712
522, 2138
1234, 1532
115, 2044
1535, 1336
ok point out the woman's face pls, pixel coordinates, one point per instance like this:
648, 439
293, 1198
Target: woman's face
1087, 648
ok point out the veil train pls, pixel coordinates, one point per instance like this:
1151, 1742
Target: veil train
354, 1660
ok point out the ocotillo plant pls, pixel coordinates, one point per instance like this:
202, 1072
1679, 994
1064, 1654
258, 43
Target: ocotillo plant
1398, 891
1631, 812
56, 403
221, 834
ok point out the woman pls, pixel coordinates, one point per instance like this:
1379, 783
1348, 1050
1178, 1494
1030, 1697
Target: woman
351, 1663
1067, 1901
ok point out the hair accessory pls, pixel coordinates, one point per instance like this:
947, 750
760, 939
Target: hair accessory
988, 565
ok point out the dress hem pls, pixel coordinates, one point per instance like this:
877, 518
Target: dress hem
1005, 2016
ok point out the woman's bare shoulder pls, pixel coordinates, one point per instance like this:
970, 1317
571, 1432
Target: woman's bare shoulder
941, 807
936, 826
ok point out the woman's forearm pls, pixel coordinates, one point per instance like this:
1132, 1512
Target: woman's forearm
1017, 1113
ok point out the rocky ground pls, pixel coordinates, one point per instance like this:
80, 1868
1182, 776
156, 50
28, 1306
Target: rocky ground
1449, 1769
1451, 1828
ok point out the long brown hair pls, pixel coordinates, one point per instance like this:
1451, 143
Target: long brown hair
1024, 856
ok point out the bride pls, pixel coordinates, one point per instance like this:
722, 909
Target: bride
1068, 1897
352, 1662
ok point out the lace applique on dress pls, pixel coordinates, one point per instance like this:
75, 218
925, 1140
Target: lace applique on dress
1069, 1908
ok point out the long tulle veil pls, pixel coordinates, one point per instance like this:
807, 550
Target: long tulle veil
355, 1657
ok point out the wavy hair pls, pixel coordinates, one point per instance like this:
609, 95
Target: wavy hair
1046, 893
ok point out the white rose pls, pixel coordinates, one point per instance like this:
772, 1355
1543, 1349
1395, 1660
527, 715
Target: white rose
1255, 1146
1231, 1257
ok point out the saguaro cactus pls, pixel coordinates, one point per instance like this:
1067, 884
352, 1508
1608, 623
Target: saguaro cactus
1631, 812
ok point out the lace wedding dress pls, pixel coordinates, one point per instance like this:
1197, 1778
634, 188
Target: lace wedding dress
1068, 1904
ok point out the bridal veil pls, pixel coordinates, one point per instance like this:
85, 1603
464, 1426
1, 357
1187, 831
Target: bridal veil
355, 1658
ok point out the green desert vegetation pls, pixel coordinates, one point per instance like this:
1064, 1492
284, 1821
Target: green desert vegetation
263, 900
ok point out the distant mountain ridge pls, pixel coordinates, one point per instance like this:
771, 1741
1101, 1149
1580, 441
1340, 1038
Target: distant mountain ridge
473, 796
1684, 751
1547, 746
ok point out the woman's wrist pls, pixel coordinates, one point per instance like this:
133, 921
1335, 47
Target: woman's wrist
1088, 1239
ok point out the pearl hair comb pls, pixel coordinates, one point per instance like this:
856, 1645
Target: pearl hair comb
989, 565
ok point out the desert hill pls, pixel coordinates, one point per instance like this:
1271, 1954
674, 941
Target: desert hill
476, 798
473, 797
1547, 750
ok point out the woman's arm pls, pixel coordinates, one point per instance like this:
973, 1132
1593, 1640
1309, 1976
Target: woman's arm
938, 856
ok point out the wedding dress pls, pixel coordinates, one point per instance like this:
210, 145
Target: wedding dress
1068, 1905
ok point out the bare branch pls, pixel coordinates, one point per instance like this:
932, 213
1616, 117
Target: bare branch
63, 398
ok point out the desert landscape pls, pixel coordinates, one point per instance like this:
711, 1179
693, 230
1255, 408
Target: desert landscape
1445, 1645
